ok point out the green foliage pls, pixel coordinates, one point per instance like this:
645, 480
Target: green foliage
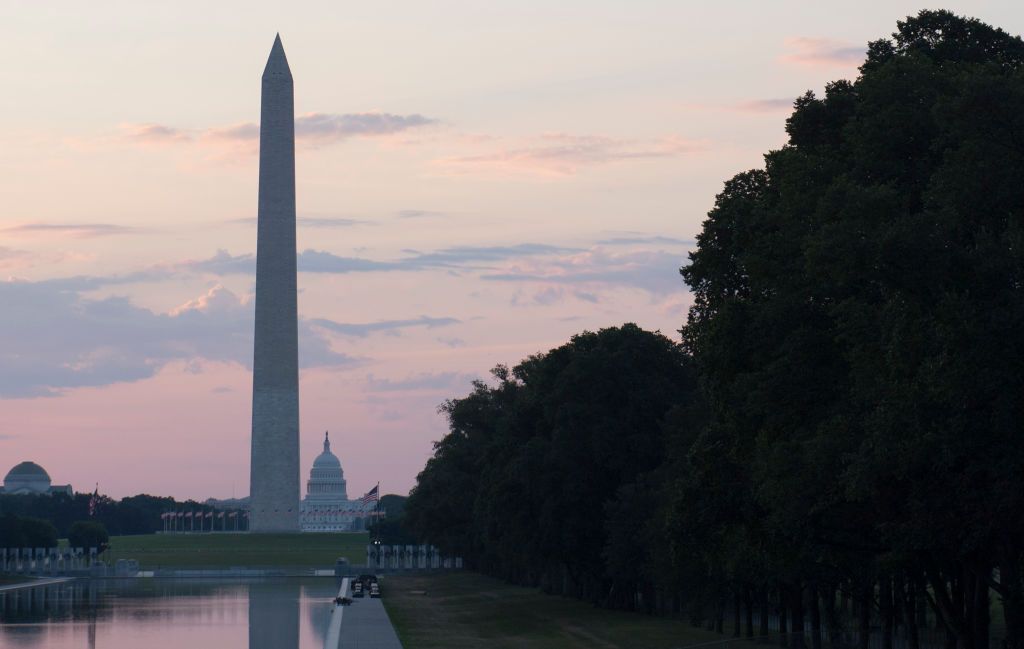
88, 534
857, 333
138, 514
520, 485
858, 326
26, 532
393, 528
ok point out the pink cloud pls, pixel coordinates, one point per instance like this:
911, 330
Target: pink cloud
155, 134
822, 52
73, 230
764, 106
559, 154
311, 129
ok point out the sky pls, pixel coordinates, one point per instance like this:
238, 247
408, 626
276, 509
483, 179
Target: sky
476, 182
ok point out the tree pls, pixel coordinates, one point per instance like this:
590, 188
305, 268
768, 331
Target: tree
88, 534
858, 324
523, 484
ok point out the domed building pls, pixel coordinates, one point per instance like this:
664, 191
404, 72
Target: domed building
326, 507
30, 478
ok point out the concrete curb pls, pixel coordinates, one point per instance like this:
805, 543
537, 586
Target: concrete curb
333, 638
35, 583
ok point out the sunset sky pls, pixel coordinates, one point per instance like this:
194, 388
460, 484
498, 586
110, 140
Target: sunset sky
477, 181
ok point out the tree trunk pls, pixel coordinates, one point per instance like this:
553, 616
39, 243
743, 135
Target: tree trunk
864, 615
829, 612
812, 601
762, 630
748, 608
737, 628
885, 610
980, 611
1013, 600
796, 598
783, 637
906, 594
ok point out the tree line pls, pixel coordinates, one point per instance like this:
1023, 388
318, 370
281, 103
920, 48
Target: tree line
138, 514
835, 442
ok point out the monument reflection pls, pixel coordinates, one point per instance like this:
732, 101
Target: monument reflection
273, 616
158, 614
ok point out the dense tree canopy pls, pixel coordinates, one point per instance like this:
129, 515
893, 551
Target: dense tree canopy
520, 484
854, 428
131, 515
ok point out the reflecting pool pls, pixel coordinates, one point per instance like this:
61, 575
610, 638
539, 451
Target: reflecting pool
169, 613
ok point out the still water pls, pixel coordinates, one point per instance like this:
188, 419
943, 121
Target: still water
169, 614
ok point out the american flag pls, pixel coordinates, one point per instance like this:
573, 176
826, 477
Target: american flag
369, 497
94, 500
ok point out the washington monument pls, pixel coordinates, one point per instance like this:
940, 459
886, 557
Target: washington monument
274, 469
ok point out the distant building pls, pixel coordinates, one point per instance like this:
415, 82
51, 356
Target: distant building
30, 478
326, 507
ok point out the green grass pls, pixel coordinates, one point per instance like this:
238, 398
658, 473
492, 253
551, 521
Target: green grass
462, 610
245, 550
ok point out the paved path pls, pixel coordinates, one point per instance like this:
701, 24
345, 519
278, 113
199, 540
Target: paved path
35, 583
367, 626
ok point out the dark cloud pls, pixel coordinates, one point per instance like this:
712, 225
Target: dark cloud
823, 52
417, 214
322, 127
238, 132
361, 330
765, 105
646, 240
654, 272
562, 154
52, 338
307, 221
76, 230
328, 222
224, 263
7, 254
473, 255
155, 134
318, 261
312, 129
438, 382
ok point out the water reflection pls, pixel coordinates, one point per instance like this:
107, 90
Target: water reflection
158, 613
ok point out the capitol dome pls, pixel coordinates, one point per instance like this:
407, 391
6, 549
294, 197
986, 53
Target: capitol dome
326, 478
327, 460
27, 478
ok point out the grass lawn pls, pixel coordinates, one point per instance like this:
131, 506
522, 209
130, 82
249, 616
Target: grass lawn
468, 610
247, 550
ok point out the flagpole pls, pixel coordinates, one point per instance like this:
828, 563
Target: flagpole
376, 509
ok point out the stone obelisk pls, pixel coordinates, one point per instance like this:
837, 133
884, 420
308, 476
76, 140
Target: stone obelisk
274, 469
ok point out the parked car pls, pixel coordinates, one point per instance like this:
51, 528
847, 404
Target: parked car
366, 580
357, 589
374, 589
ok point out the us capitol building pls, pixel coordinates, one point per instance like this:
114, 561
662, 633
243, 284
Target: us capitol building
326, 507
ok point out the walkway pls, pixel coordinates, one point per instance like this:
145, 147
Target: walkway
366, 626
35, 583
